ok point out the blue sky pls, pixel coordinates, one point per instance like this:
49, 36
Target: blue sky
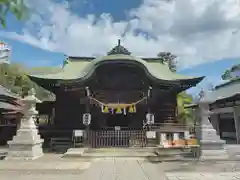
203, 43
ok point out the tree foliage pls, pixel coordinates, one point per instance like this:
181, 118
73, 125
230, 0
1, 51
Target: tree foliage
13, 77
17, 7
184, 115
169, 58
233, 72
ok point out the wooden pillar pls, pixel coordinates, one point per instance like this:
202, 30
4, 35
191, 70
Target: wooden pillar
237, 123
87, 132
88, 101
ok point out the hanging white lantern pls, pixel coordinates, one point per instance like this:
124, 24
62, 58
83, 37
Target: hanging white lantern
150, 118
86, 119
124, 111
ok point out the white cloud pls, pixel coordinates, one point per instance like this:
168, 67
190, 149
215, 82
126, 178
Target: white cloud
197, 31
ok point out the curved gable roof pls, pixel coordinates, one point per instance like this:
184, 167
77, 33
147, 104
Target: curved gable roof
83, 69
7, 93
224, 91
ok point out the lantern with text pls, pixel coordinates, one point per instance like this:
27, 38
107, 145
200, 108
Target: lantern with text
150, 118
87, 119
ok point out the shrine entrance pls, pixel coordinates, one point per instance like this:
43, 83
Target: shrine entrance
116, 138
117, 129
121, 120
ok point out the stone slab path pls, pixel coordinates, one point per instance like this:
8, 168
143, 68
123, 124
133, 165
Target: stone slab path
203, 176
123, 169
119, 169
66, 176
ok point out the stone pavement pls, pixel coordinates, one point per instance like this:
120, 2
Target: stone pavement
203, 176
123, 169
75, 176
53, 167
49, 162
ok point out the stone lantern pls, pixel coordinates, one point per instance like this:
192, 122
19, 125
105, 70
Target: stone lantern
27, 144
212, 147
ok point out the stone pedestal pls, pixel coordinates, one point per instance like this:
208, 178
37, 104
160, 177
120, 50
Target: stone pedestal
212, 147
27, 143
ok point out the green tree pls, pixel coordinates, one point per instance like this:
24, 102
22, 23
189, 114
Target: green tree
233, 72
184, 115
169, 58
13, 77
16, 7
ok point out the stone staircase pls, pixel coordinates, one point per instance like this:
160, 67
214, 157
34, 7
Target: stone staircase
60, 144
153, 154
110, 152
120, 152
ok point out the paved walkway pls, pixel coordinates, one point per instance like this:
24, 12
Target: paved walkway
119, 169
203, 176
66, 176
122, 169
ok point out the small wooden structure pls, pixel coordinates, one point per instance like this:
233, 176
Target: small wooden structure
225, 108
10, 114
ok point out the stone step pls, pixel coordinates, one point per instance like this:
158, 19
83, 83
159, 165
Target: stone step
214, 154
61, 143
74, 153
122, 150
119, 154
142, 153
233, 151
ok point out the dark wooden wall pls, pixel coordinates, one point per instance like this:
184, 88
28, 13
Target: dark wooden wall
69, 111
114, 83
165, 108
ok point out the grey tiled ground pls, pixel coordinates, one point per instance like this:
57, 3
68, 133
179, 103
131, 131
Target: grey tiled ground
107, 169
118, 169
203, 176
69, 176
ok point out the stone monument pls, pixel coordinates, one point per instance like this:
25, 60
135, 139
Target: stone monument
212, 147
27, 143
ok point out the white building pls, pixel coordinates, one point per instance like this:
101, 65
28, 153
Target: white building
225, 108
5, 52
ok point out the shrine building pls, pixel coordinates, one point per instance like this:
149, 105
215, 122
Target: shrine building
114, 93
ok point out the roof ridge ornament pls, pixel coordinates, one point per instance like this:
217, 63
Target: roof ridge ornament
119, 49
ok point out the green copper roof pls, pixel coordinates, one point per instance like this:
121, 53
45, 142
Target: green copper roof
82, 69
8, 106
7, 93
224, 91
229, 82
